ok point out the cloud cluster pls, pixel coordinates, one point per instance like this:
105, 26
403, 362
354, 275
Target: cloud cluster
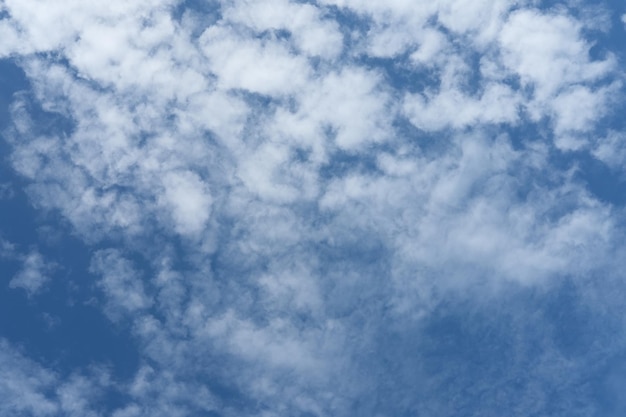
30, 389
285, 196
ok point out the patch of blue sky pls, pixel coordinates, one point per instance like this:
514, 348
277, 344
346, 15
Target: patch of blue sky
58, 326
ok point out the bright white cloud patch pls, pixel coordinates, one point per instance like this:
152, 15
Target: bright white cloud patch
497, 104
308, 208
189, 199
312, 34
264, 67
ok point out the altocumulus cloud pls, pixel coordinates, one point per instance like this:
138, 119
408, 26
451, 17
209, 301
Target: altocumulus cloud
313, 208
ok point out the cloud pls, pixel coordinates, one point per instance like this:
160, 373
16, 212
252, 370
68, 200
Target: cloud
189, 199
305, 208
120, 282
24, 384
611, 150
254, 65
33, 275
451, 108
6, 191
312, 34
351, 106
29, 388
7, 249
548, 51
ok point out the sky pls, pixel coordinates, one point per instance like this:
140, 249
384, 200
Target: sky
293, 208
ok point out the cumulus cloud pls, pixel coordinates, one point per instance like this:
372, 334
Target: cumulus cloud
189, 199
312, 34
451, 108
282, 199
612, 150
548, 51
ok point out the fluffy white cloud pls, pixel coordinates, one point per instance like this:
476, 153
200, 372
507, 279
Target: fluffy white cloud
312, 34
189, 199
451, 108
612, 150
259, 66
325, 192
352, 104
548, 52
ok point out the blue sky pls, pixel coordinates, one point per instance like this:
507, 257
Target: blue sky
312, 208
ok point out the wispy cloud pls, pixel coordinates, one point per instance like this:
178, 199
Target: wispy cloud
34, 273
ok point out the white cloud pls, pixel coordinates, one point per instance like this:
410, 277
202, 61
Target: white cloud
548, 52
264, 67
78, 394
189, 199
24, 385
611, 150
120, 282
273, 344
451, 108
318, 219
29, 388
575, 110
431, 47
352, 103
483, 18
270, 173
312, 35
294, 289
36, 28
33, 275
460, 215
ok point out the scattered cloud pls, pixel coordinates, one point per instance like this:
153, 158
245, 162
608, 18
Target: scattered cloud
33, 275
299, 208
24, 384
120, 282
6, 191
7, 249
